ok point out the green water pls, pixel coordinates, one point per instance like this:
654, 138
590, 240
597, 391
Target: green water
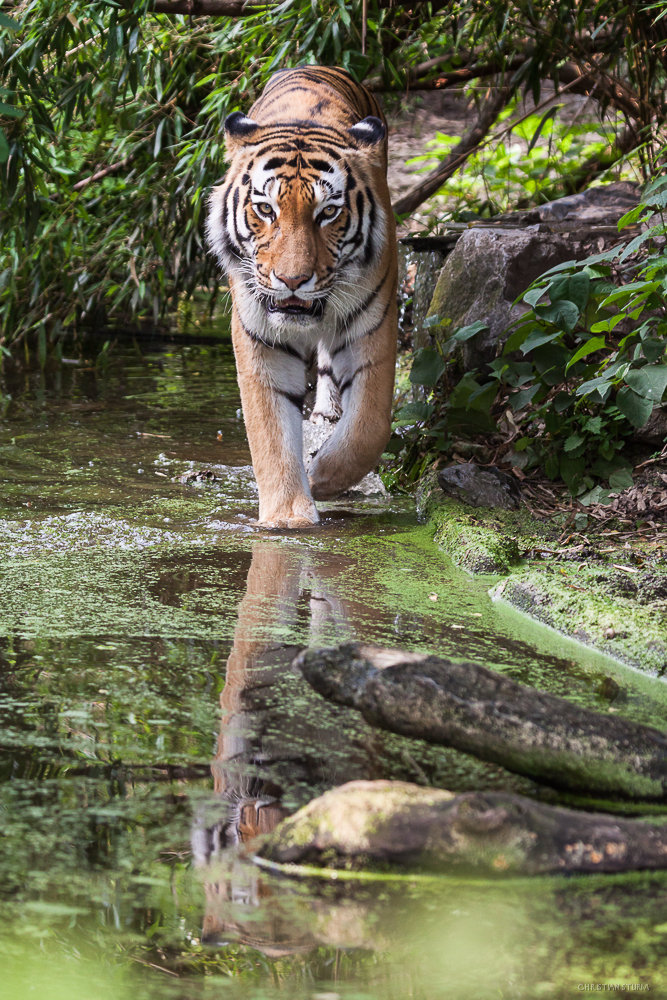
150, 718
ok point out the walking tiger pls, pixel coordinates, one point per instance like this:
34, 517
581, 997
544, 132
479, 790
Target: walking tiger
303, 227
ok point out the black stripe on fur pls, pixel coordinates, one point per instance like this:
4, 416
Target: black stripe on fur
292, 397
347, 384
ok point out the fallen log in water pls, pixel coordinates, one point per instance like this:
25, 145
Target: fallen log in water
378, 823
492, 717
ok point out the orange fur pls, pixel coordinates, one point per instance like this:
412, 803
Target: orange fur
304, 227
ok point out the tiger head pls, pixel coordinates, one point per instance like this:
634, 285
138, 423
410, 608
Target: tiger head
297, 224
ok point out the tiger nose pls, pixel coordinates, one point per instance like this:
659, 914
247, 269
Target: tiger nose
294, 282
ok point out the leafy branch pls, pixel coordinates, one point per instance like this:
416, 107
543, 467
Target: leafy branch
583, 367
111, 120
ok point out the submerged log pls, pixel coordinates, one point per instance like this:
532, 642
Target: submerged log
492, 717
379, 823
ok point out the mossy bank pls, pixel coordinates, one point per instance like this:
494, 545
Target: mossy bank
603, 593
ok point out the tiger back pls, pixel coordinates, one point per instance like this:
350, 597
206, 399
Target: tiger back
304, 228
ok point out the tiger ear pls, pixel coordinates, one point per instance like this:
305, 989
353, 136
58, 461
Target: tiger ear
239, 129
369, 132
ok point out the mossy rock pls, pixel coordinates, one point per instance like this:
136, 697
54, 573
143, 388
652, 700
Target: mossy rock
623, 614
477, 539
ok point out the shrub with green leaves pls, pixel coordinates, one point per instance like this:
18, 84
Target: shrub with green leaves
594, 351
582, 368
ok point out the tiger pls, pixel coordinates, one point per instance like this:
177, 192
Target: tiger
302, 224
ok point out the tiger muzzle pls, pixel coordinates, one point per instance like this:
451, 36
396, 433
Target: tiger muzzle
296, 306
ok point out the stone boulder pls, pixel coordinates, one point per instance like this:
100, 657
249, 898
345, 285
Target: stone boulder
654, 431
383, 824
597, 206
486, 272
420, 260
480, 487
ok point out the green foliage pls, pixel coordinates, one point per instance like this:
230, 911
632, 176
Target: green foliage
582, 368
427, 367
596, 359
110, 140
110, 123
531, 162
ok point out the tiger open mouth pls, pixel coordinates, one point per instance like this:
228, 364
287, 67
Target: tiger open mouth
294, 306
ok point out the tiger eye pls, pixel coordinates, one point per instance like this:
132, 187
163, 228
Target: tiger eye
329, 211
264, 208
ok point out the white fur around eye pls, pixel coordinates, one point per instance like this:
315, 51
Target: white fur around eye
266, 216
324, 220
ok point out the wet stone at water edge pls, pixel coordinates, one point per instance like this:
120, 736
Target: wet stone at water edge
198, 476
480, 487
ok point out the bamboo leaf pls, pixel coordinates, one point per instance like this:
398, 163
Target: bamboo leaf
8, 22
9, 111
158, 139
551, 113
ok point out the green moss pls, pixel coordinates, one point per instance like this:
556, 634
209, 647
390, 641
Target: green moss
478, 539
581, 598
578, 600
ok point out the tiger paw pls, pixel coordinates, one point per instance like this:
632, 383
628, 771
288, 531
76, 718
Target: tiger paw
288, 522
301, 513
319, 418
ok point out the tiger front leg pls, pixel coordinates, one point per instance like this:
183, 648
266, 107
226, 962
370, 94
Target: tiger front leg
364, 372
273, 384
327, 396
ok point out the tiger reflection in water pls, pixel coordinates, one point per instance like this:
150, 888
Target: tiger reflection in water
268, 741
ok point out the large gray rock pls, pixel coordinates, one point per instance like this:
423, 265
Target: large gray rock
394, 823
482, 277
429, 266
420, 260
480, 487
654, 431
487, 714
597, 206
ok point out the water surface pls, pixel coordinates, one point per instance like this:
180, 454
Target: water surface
151, 722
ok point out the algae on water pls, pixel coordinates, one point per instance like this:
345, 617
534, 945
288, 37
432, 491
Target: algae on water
123, 594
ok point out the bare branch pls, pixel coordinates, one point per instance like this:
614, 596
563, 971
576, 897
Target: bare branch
105, 172
468, 144
473, 68
464, 74
579, 81
584, 81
